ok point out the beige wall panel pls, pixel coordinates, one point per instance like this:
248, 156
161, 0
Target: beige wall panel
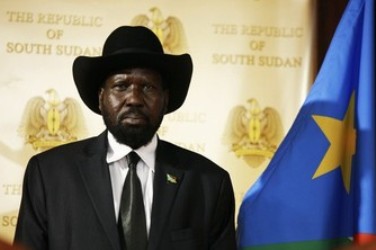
250, 54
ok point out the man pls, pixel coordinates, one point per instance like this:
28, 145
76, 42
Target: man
73, 195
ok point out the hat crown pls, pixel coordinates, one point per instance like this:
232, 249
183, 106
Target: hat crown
132, 46
132, 38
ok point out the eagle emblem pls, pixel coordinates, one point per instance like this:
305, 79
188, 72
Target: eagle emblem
169, 30
253, 133
48, 122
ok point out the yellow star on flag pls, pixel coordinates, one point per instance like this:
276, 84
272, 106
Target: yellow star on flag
342, 138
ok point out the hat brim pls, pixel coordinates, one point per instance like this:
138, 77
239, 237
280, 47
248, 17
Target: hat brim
89, 74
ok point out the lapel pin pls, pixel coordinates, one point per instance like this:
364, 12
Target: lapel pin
171, 179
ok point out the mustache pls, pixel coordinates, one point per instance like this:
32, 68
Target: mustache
132, 111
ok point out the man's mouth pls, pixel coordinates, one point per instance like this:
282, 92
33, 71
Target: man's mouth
133, 118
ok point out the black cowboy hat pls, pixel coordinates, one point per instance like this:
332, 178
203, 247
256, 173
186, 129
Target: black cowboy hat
129, 46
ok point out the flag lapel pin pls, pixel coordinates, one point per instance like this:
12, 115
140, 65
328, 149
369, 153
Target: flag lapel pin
171, 179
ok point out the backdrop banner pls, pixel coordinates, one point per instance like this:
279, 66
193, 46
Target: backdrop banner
252, 70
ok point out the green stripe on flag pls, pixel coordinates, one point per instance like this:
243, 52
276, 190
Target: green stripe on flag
303, 245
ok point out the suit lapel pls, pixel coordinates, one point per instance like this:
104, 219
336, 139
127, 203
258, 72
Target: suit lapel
95, 175
167, 180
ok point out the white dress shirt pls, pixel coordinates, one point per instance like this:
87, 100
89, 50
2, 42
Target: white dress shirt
145, 171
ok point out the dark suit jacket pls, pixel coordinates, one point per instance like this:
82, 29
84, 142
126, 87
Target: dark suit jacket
67, 201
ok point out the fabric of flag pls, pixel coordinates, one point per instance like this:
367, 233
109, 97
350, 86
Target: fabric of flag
319, 190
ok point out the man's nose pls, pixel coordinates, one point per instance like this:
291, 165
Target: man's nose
135, 95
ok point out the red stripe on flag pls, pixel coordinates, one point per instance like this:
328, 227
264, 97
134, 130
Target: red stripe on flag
361, 239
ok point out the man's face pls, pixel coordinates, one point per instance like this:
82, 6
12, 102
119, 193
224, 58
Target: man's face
133, 102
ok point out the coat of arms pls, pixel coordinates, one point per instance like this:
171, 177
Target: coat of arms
253, 133
48, 121
169, 30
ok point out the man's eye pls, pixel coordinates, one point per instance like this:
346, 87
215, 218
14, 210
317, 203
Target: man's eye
148, 88
120, 86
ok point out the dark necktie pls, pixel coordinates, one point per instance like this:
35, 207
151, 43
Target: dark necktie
132, 223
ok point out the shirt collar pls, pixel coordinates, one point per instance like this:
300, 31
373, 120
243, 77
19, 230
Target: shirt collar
117, 151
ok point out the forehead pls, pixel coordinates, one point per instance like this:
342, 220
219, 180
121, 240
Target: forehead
141, 72
152, 76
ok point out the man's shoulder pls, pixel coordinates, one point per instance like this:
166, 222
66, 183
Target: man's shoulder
73, 145
171, 148
189, 158
84, 146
